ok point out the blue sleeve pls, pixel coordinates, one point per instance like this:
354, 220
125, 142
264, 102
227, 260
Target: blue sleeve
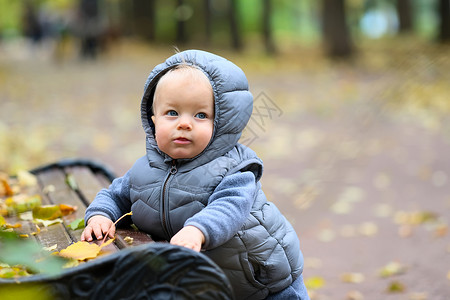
227, 210
112, 202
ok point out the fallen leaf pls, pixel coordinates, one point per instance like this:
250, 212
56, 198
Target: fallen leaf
391, 269
38, 230
441, 230
396, 287
51, 248
67, 209
8, 272
27, 252
368, 229
26, 179
71, 263
22, 203
26, 216
128, 240
5, 188
326, 235
47, 223
77, 224
314, 283
414, 218
352, 277
83, 250
115, 223
71, 182
49, 189
47, 212
17, 225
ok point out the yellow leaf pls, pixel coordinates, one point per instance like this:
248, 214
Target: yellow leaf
67, 209
129, 240
47, 212
38, 230
5, 188
51, 248
352, 277
368, 229
314, 283
47, 223
83, 250
17, 225
391, 269
26, 178
106, 243
396, 287
22, 203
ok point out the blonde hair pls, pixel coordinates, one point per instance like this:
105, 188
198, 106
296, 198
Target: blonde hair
186, 69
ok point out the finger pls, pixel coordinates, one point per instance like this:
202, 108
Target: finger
87, 234
112, 231
108, 229
97, 231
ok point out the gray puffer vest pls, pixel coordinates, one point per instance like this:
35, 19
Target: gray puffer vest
264, 255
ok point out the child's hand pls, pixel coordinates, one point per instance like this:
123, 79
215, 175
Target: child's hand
98, 226
190, 237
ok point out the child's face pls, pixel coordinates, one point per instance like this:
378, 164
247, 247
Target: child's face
183, 114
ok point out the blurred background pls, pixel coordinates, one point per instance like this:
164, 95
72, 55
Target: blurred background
351, 115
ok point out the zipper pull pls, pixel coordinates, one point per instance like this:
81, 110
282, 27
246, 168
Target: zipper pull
173, 168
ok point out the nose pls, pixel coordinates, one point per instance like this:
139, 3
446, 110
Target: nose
184, 123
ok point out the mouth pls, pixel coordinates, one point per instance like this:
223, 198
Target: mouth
181, 140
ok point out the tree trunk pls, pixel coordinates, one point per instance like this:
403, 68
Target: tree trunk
336, 33
181, 25
236, 41
144, 18
267, 28
444, 19
208, 21
404, 12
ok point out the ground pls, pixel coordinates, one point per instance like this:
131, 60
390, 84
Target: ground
355, 154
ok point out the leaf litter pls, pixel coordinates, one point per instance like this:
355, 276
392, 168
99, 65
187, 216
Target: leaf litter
21, 256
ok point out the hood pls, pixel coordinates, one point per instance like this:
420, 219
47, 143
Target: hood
233, 102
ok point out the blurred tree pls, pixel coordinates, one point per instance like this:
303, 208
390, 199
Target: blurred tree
236, 40
444, 19
336, 34
181, 22
404, 11
144, 18
267, 28
89, 27
32, 28
208, 21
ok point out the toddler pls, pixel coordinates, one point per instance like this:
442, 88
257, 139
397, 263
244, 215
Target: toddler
198, 187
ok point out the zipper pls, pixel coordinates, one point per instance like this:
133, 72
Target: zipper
165, 200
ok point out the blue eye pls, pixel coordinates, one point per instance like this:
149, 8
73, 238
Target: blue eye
172, 113
201, 115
